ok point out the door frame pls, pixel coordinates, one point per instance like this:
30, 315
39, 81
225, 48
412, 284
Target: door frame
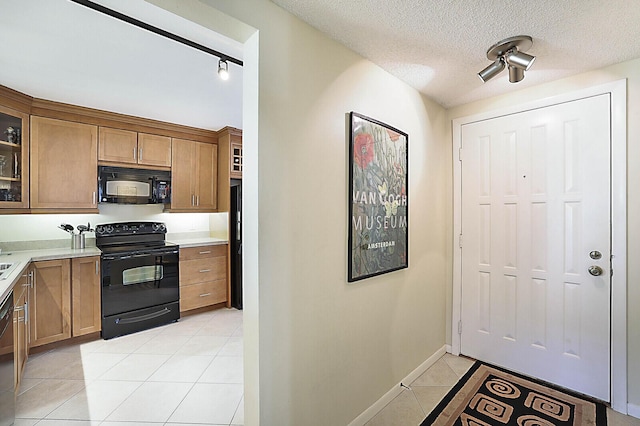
618, 93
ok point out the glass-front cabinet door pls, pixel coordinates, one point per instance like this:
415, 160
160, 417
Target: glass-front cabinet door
14, 159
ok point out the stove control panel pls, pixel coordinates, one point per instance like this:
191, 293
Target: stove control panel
130, 228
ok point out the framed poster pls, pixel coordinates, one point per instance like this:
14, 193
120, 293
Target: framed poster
378, 198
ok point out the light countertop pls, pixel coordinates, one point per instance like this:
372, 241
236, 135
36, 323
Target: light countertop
21, 259
199, 241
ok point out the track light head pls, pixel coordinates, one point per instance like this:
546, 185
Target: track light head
509, 51
515, 74
492, 70
519, 59
223, 69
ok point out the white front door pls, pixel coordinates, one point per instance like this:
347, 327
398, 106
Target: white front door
535, 222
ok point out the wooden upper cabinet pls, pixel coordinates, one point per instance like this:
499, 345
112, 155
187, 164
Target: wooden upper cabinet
154, 150
126, 147
194, 176
64, 165
230, 159
207, 183
120, 146
183, 174
14, 159
236, 159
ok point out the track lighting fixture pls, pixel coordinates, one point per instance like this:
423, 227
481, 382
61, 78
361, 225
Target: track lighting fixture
492, 70
509, 52
515, 74
223, 62
223, 69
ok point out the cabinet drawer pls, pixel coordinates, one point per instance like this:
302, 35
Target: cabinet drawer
203, 294
201, 252
201, 270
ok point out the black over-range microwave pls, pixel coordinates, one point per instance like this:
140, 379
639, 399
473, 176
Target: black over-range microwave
133, 186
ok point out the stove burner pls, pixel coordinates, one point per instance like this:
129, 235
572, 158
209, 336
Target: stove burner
131, 228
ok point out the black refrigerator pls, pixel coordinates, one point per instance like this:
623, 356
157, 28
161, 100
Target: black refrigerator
235, 241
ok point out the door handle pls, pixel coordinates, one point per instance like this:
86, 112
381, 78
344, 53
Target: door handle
595, 270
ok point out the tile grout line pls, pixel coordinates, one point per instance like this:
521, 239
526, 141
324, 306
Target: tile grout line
196, 328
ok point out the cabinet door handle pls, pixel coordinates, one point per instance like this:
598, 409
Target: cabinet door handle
197, 200
97, 267
193, 200
93, 198
205, 252
202, 271
140, 154
134, 154
205, 294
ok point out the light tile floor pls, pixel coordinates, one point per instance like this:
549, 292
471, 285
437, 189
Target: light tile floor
189, 372
412, 406
186, 373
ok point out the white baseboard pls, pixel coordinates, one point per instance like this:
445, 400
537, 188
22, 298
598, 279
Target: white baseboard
377, 406
449, 349
633, 410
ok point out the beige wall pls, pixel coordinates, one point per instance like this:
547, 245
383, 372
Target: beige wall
631, 71
329, 349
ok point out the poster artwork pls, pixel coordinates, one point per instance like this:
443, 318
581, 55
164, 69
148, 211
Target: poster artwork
378, 208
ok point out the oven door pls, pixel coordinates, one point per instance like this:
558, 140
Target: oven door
137, 281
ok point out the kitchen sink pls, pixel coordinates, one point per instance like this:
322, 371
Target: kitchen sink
5, 268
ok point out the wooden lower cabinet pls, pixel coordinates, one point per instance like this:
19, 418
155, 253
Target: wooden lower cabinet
66, 299
51, 302
85, 293
20, 342
21, 330
203, 276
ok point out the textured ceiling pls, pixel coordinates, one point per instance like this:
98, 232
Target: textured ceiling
439, 46
62, 51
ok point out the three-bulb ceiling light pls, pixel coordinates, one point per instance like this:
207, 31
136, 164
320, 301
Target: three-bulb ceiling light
509, 52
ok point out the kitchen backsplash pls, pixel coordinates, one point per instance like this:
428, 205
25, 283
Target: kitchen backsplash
44, 228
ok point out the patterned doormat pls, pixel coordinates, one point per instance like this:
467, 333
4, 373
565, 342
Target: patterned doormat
488, 396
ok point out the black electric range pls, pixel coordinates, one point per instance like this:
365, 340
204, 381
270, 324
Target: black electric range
140, 277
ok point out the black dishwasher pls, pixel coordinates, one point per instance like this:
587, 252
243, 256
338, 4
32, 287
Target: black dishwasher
7, 395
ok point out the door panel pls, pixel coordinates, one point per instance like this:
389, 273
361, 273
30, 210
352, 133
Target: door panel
535, 203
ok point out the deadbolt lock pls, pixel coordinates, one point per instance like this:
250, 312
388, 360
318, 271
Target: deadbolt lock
595, 255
